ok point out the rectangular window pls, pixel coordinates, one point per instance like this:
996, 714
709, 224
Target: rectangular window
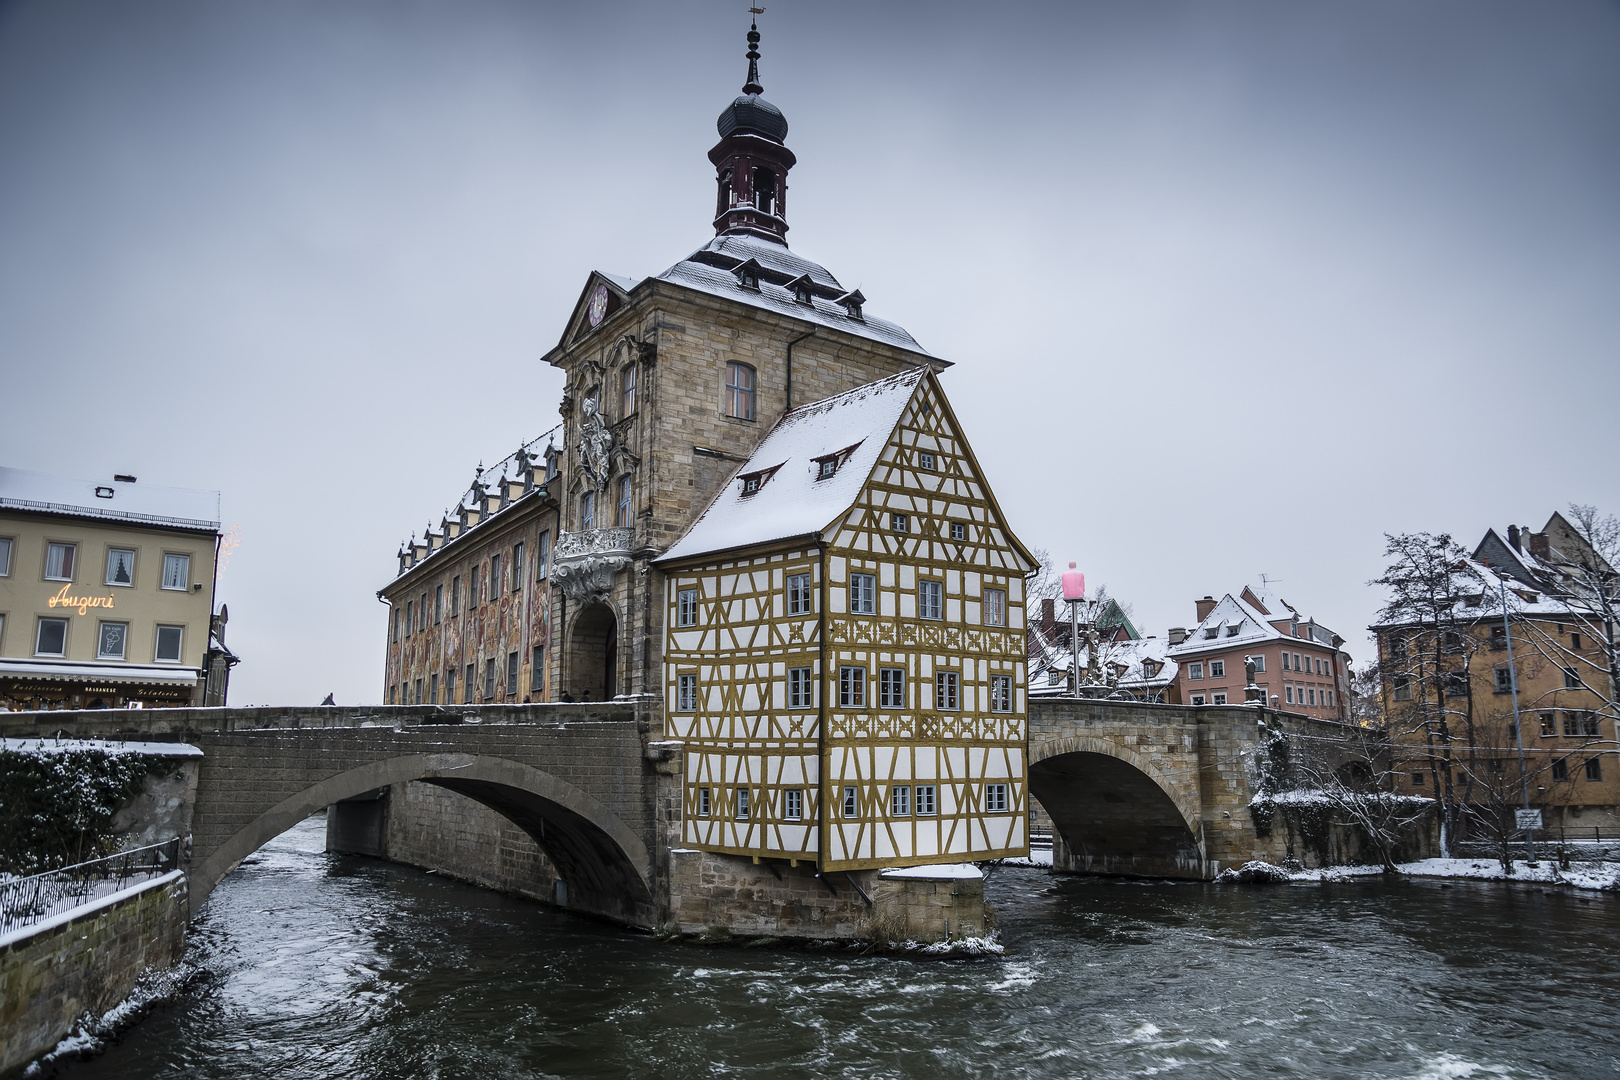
111, 640
742, 804
450, 687
419, 698
1451, 641
1001, 693
627, 392
740, 391
1419, 779
1549, 724
925, 800
169, 642
1259, 664
438, 604
177, 572
422, 614
686, 693
900, 801
1560, 769
455, 595
852, 687
59, 561
995, 607
851, 802
472, 592
1296, 663
1196, 671
947, 690
686, 607
703, 802
1217, 699
587, 510
892, 688
517, 567
1285, 661
1288, 694
793, 805
410, 616
542, 556
862, 594
800, 695
798, 594
900, 523
433, 689
995, 798
1588, 723
1572, 679
930, 599
621, 515
120, 566
489, 679
1217, 669
393, 693
1198, 699
1312, 693
925, 460
1402, 685
958, 531
469, 686
495, 578
537, 670
1455, 683
511, 674
5, 556
399, 619
1504, 680
1594, 769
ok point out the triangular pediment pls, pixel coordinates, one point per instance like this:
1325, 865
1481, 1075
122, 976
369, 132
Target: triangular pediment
603, 295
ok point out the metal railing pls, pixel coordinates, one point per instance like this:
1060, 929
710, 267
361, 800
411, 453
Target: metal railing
25, 901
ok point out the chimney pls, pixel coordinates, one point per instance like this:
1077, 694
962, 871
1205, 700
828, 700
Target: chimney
1513, 537
1538, 545
1048, 615
1178, 634
1204, 607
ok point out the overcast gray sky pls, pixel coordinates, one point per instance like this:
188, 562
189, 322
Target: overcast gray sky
1231, 288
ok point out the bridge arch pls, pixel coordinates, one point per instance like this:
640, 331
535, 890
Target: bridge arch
606, 865
1117, 811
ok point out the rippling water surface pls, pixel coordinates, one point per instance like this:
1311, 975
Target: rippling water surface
329, 966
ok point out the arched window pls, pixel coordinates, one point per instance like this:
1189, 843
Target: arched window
740, 391
723, 199
765, 191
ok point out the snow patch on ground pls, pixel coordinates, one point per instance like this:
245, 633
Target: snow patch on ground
91, 1034
1580, 875
1037, 857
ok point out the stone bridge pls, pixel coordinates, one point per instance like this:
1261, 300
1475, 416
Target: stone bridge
580, 780
1157, 790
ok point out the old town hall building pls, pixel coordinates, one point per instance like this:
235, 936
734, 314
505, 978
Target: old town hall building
769, 519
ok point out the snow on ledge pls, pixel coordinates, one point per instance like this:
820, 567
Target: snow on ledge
940, 872
62, 918
79, 746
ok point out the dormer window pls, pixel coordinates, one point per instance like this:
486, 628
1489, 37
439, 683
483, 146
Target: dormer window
801, 287
748, 274
752, 482
851, 303
1213, 631
1232, 631
829, 464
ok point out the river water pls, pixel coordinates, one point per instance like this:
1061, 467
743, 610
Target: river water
332, 966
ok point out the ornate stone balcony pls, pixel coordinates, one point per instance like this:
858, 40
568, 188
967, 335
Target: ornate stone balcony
584, 563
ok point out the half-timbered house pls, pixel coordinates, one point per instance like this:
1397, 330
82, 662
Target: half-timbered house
844, 648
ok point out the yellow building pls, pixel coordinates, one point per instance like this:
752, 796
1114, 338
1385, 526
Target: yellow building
106, 593
844, 650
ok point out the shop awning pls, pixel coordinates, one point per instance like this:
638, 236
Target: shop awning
125, 674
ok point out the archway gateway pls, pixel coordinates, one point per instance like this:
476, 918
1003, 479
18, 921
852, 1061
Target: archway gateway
1110, 817
593, 654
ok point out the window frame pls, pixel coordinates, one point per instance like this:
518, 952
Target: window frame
800, 597
891, 688
994, 605
1217, 669
627, 391
852, 686
959, 531
801, 688
741, 388
623, 513
919, 793
514, 669
39, 629
517, 567
948, 690
926, 461
900, 523
793, 804
739, 805
997, 798
537, 669
862, 591
185, 560
180, 647
72, 558
686, 607
542, 555
7, 549
108, 577
1195, 670
1001, 693
936, 588
489, 678
899, 800
851, 802
686, 692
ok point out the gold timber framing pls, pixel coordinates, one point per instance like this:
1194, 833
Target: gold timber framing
933, 780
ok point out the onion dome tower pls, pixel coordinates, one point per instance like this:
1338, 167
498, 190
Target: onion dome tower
751, 160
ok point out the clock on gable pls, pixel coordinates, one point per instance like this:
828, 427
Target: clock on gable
599, 305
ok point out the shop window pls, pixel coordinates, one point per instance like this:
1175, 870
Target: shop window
177, 572
120, 566
170, 641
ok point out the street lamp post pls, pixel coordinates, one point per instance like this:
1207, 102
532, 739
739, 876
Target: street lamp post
1518, 728
1074, 591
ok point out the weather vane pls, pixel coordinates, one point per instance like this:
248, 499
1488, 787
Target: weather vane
756, 11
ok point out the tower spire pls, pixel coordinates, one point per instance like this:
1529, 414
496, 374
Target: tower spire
752, 86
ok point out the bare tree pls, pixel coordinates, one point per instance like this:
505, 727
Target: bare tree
1367, 696
1354, 775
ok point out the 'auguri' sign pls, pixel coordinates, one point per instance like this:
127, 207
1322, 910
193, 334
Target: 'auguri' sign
83, 603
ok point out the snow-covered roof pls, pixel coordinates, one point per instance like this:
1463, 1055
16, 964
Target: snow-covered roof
625, 283
1132, 655
1229, 623
793, 502
110, 500
709, 269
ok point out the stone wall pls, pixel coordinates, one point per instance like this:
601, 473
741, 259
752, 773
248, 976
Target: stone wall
52, 974
436, 829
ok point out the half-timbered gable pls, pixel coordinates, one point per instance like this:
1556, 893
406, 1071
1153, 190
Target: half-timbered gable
844, 654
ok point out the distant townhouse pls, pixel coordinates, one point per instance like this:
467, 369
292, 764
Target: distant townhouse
1128, 664
1458, 674
470, 608
1300, 666
107, 593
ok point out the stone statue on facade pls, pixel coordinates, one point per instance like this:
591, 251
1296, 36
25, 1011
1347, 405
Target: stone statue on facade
595, 443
